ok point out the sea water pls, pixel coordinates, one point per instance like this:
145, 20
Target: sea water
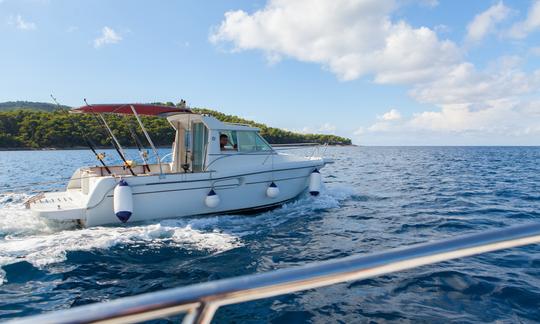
375, 198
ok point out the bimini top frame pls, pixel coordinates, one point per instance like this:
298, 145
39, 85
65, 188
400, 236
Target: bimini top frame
131, 109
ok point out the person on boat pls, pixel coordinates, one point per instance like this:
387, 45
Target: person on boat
223, 141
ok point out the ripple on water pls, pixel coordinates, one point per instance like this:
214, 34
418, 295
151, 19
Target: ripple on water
376, 198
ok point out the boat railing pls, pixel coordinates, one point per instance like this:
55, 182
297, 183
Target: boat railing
238, 124
319, 150
166, 156
236, 154
294, 145
199, 302
33, 199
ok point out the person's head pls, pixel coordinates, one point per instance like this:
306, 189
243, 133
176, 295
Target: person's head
223, 140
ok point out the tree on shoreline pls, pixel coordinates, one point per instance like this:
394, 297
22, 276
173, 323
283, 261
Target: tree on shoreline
25, 128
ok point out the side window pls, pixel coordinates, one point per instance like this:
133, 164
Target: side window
228, 141
251, 142
246, 141
262, 145
187, 140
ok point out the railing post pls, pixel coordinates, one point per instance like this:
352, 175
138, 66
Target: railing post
203, 314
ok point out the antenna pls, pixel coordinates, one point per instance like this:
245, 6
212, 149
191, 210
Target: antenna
99, 156
54, 99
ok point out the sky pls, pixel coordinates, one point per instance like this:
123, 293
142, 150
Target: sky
381, 72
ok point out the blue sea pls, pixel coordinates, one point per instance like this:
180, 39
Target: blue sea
375, 198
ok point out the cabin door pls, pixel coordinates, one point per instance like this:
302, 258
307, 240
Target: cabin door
200, 140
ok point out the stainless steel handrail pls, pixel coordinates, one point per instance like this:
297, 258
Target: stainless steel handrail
200, 301
166, 156
236, 153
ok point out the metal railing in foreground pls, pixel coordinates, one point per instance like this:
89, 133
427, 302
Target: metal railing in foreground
201, 301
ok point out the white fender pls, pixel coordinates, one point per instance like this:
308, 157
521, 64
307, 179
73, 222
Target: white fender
272, 191
315, 183
123, 201
212, 199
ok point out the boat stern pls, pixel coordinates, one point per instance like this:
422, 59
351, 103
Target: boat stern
60, 206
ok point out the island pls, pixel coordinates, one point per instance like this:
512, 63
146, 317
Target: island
39, 125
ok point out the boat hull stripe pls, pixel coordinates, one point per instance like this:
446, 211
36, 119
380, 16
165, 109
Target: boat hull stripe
229, 177
210, 187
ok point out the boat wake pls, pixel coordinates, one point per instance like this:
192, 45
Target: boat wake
24, 237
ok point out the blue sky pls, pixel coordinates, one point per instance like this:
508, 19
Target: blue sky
383, 72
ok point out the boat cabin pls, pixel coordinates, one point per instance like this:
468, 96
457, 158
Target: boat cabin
199, 141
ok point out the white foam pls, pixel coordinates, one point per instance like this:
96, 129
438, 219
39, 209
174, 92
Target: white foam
33, 240
43, 249
25, 237
2, 272
15, 220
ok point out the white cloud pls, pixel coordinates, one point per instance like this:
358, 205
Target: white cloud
393, 114
464, 84
360, 131
108, 36
485, 22
429, 3
387, 122
356, 38
442, 29
381, 127
461, 118
20, 23
474, 107
325, 128
535, 51
497, 122
522, 28
351, 38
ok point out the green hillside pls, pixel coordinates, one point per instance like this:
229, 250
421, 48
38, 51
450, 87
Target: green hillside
28, 105
36, 126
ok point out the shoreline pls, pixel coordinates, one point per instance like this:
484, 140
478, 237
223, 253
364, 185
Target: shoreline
74, 148
79, 148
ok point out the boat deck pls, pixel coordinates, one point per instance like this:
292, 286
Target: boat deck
66, 205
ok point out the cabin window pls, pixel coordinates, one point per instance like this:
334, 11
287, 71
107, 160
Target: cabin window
250, 141
228, 141
200, 138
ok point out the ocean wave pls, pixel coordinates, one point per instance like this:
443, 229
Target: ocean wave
28, 238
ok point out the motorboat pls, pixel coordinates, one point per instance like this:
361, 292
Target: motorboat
214, 167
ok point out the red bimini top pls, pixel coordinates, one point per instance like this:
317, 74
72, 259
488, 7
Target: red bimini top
141, 109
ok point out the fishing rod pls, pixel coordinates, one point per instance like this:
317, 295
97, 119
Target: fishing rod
140, 147
99, 156
112, 138
188, 140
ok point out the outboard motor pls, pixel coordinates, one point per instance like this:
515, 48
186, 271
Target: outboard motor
315, 183
123, 201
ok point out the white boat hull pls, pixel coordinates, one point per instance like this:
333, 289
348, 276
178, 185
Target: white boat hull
176, 195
